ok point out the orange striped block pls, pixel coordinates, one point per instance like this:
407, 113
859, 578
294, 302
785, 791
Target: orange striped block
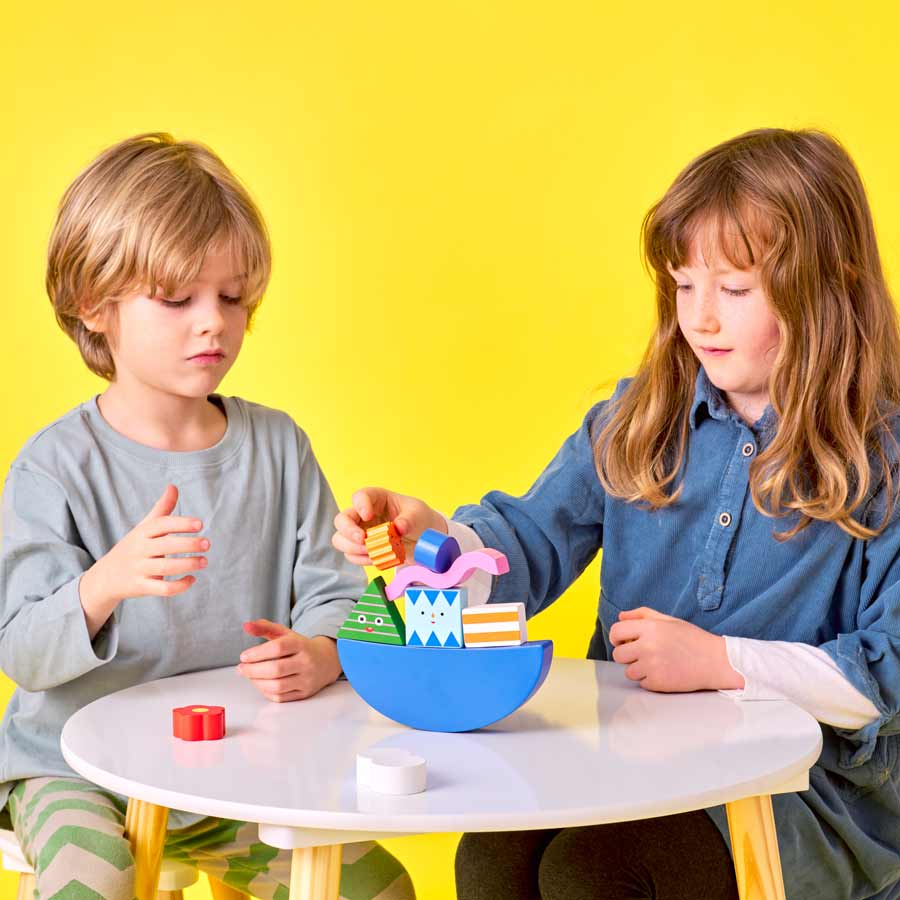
494, 625
385, 546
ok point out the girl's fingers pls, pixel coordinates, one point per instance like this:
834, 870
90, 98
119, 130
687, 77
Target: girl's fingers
643, 612
626, 653
348, 546
288, 697
635, 673
266, 629
624, 631
347, 522
370, 503
275, 648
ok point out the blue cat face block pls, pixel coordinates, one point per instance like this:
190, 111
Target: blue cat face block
434, 618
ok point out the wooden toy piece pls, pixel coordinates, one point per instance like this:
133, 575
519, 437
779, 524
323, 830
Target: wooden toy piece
494, 625
374, 619
487, 560
434, 618
198, 723
422, 688
436, 551
384, 546
391, 771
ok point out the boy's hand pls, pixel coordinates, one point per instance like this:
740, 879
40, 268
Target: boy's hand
136, 565
663, 653
374, 505
288, 666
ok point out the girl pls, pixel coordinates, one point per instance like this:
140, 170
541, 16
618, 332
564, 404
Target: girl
157, 263
760, 427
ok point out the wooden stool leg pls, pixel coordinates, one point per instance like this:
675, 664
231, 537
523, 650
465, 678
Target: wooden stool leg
316, 873
222, 891
754, 845
26, 887
145, 828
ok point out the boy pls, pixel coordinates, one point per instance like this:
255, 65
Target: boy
111, 514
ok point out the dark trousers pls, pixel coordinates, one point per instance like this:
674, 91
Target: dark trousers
681, 857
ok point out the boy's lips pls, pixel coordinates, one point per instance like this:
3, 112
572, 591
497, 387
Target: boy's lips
207, 357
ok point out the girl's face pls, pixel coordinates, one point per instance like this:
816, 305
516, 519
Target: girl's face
181, 345
727, 320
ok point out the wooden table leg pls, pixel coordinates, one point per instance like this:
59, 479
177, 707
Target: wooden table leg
316, 873
754, 846
145, 828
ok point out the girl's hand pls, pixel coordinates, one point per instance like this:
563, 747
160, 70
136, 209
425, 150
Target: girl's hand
374, 505
288, 666
663, 653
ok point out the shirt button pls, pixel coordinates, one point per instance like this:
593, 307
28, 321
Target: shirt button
748, 449
724, 519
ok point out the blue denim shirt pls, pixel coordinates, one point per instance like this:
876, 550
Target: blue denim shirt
840, 840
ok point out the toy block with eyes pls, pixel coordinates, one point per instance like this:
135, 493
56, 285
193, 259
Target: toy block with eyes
434, 617
374, 618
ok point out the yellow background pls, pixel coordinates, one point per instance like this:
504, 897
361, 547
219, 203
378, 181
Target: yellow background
454, 192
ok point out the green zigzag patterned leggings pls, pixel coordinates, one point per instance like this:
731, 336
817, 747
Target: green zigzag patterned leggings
72, 834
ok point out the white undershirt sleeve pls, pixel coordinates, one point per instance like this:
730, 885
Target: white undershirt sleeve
801, 673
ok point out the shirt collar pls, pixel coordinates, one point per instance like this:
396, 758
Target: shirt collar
709, 402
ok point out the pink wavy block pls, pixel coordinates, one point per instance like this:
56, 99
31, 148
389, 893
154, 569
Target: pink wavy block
463, 567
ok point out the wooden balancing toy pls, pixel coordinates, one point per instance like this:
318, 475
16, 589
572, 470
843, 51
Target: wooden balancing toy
445, 666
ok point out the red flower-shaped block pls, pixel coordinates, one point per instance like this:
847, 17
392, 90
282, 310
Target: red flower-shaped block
198, 723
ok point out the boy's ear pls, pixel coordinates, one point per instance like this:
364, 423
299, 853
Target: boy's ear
94, 319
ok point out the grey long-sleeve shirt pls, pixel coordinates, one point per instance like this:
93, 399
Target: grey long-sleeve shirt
77, 487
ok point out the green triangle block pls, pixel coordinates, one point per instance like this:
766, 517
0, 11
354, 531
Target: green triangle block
374, 618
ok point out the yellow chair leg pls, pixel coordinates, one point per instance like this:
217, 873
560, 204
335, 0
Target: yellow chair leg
316, 873
222, 891
145, 829
26, 887
170, 895
754, 846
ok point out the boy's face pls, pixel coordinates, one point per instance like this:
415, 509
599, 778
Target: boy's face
183, 344
725, 316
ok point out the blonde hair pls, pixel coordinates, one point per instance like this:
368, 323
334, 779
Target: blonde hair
143, 215
792, 203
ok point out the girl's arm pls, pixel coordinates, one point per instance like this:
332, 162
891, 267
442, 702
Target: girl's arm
553, 531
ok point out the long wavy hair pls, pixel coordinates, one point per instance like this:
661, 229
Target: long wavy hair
793, 204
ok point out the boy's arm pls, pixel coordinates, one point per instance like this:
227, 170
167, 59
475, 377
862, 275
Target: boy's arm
325, 585
44, 639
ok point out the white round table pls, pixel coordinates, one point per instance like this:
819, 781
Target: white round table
590, 747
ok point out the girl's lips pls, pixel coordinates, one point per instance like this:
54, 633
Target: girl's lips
207, 359
715, 351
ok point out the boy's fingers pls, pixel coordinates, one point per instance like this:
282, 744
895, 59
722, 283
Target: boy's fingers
167, 565
165, 546
165, 504
265, 628
158, 588
164, 525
